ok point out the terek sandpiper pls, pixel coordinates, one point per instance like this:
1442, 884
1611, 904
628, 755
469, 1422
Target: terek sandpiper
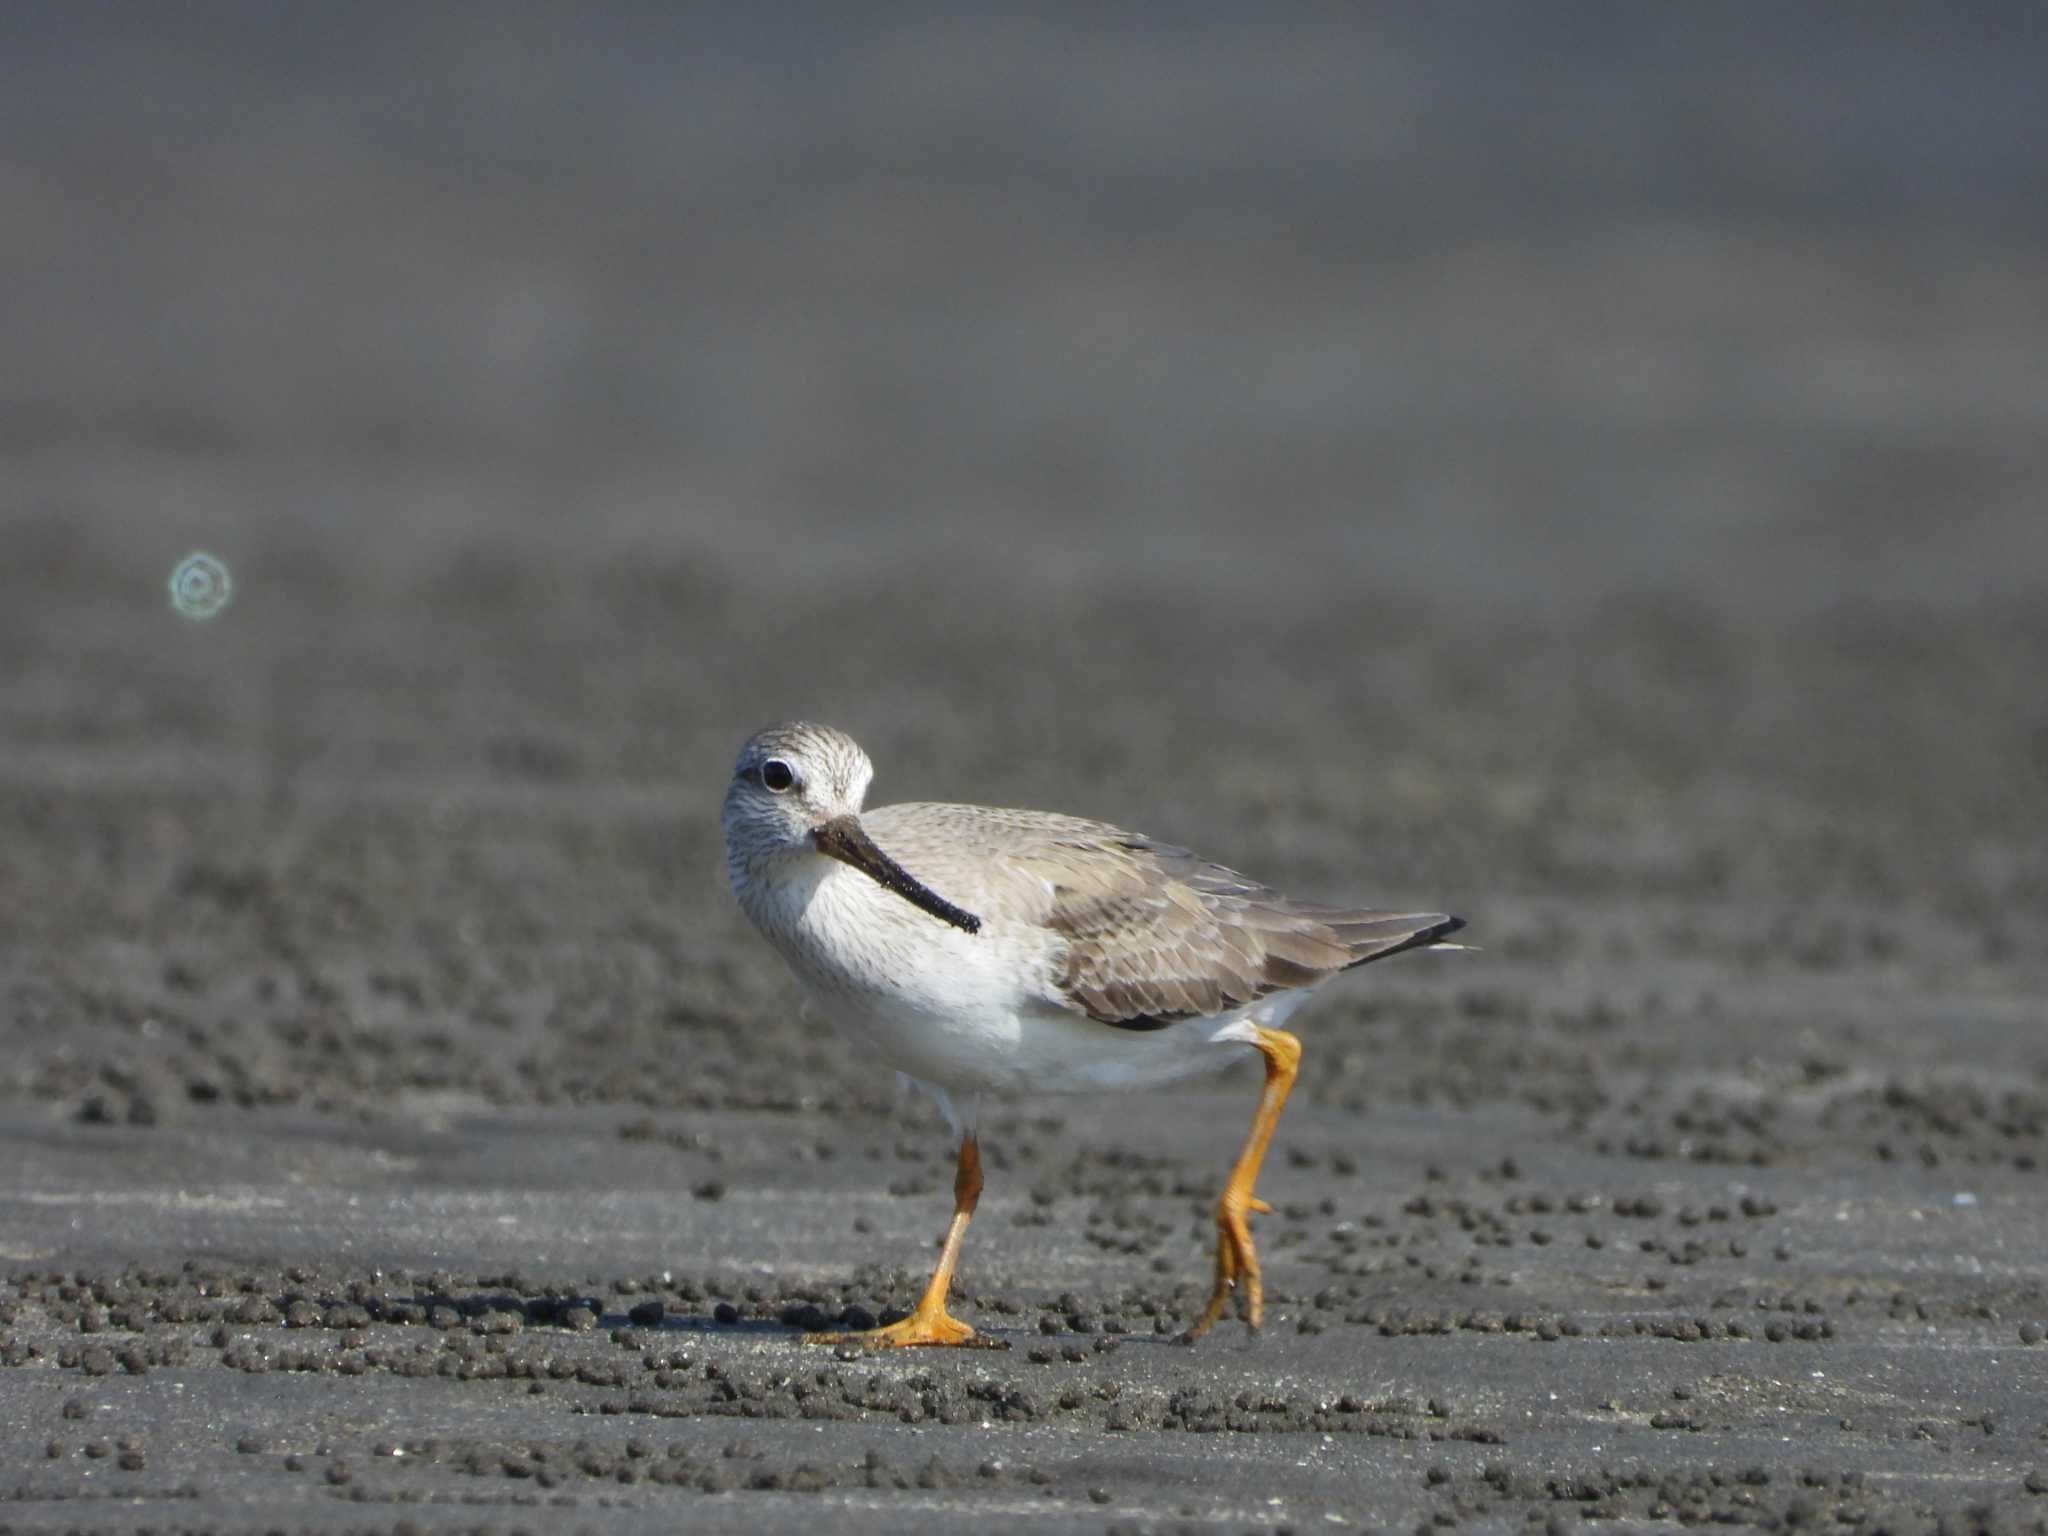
980, 950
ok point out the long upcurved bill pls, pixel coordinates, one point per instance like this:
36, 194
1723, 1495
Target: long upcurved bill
845, 839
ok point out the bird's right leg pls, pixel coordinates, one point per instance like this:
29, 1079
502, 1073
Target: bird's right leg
931, 1323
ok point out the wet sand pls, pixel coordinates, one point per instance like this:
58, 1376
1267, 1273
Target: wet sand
1580, 475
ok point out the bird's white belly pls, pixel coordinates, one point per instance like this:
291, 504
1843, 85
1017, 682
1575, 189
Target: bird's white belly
1039, 1052
973, 1012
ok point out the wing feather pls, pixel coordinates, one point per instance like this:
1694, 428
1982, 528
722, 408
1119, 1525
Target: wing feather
1155, 935
1145, 933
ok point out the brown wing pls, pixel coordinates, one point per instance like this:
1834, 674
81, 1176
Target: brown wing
1147, 934
1155, 935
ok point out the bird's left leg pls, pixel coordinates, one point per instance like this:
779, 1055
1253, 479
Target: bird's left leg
930, 1323
1237, 1262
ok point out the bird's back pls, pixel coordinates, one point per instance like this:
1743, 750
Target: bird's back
1148, 933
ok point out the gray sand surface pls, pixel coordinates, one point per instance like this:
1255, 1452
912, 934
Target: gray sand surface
1577, 466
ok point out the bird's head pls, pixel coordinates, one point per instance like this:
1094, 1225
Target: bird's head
792, 780
798, 789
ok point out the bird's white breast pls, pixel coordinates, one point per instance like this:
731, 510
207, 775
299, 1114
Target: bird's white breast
970, 1012
933, 1000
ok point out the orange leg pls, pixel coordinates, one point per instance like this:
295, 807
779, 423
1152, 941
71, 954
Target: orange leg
1237, 1264
930, 1324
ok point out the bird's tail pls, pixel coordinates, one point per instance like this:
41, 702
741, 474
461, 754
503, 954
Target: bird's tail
1376, 935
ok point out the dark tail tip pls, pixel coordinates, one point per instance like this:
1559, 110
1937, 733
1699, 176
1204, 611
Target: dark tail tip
1427, 933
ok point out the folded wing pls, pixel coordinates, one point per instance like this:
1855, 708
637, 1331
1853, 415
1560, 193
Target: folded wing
1155, 935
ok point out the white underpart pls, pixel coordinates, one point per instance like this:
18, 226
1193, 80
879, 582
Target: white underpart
968, 1013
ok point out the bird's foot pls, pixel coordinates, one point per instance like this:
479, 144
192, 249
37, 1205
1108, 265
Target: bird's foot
933, 1326
1237, 1269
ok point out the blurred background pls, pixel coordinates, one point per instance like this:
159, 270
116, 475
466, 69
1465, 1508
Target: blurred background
1581, 465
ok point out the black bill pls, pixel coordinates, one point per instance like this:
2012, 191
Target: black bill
843, 838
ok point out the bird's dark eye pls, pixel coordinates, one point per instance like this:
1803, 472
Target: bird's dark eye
777, 775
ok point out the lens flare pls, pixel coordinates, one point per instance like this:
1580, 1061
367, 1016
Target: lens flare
200, 586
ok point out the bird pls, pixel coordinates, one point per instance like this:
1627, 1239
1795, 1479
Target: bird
980, 950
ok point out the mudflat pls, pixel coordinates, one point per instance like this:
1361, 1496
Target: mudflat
1586, 477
